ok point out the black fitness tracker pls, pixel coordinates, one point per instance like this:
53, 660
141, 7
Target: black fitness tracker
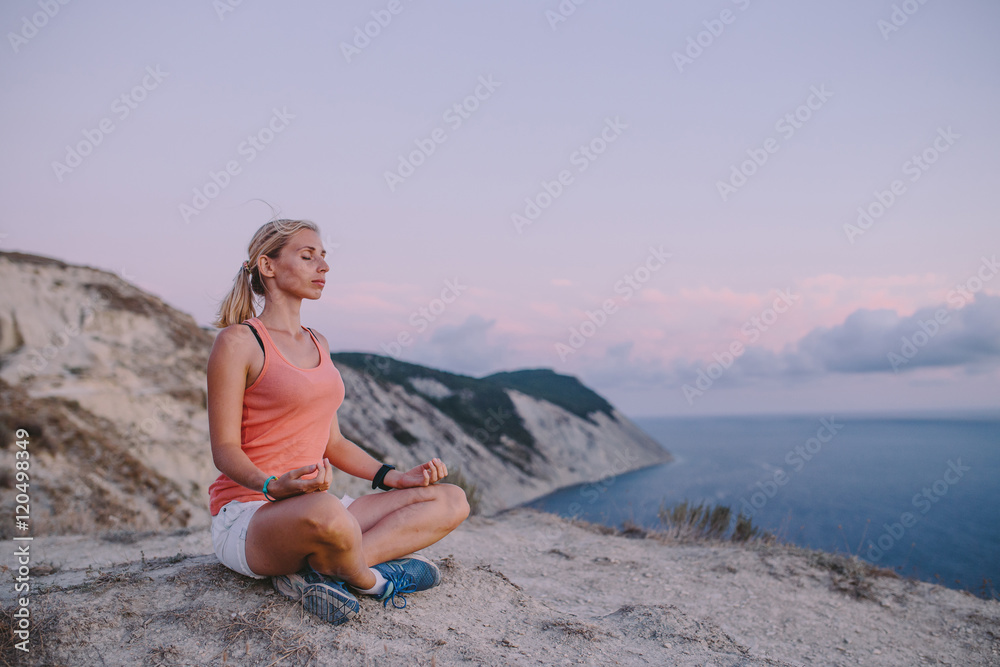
377, 481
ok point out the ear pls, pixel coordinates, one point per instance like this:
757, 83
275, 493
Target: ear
265, 267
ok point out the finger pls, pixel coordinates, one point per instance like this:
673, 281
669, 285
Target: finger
312, 481
322, 480
292, 481
327, 474
299, 472
306, 478
435, 472
427, 477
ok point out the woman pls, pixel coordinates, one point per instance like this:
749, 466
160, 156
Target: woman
273, 395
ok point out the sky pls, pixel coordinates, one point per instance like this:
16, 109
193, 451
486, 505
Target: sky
697, 208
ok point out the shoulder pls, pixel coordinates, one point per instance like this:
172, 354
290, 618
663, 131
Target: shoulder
236, 339
322, 340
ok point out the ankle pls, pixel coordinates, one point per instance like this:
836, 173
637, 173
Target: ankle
376, 588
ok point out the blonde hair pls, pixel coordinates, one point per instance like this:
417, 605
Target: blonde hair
268, 240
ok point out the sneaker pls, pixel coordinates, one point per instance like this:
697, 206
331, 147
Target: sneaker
293, 585
331, 601
407, 575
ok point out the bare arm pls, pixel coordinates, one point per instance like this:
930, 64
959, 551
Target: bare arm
350, 458
353, 460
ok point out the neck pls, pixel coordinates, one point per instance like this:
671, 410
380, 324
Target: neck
282, 314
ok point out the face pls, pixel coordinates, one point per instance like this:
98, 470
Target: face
301, 267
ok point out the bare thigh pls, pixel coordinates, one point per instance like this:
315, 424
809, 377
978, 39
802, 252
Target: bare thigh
281, 535
371, 508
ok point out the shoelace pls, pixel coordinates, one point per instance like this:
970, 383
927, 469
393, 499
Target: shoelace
401, 582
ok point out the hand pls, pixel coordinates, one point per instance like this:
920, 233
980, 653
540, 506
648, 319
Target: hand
295, 482
422, 475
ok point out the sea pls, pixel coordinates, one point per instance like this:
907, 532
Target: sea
917, 494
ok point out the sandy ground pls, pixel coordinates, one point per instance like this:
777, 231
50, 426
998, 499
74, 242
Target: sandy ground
520, 588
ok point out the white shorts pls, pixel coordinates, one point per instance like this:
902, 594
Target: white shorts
229, 533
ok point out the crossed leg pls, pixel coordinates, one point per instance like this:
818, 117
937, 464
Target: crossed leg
315, 528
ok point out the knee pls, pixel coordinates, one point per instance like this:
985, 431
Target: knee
456, 502
336, 529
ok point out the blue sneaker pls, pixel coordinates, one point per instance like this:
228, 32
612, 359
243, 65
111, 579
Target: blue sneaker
331, 601
320, 595
407, 575
293, 585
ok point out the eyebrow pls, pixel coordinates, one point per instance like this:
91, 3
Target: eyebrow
309, 247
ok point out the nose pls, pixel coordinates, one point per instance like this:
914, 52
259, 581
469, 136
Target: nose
323, 267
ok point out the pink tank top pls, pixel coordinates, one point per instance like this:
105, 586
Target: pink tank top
287, 413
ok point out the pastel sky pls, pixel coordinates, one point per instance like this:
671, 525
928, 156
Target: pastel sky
542, 156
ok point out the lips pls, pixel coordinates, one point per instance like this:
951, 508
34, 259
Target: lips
321, 283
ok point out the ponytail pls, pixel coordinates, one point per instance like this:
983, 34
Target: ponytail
268, 240
238, 304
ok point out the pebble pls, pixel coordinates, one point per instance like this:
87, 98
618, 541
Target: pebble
877, 651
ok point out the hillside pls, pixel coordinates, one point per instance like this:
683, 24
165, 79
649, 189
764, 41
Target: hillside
563, 390
110, 383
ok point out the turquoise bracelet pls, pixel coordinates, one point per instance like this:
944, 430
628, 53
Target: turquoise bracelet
266, 482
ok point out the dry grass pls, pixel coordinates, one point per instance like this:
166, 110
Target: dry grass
264, 626
587, 631
687, 522
850, 574
7, 638
42, 624
163, 656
